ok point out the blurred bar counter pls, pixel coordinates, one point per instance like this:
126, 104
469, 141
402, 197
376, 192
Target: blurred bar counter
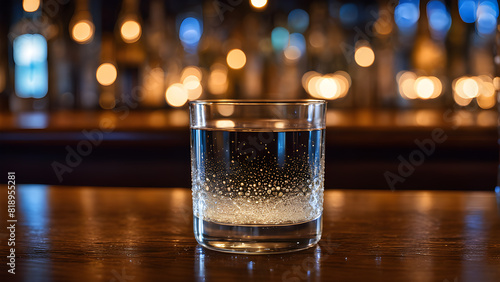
151, 148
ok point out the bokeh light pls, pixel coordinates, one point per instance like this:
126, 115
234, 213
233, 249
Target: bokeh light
487, 13
470, 88
317, 39
106, 74
176, 95
280, 38
424, 87
296, 47
236, 59
190, 31
298, 20
467, 10
259, 4
292, 53
193, 86
411, 86
406, 15
83, 32
224, 123
217, 80
460, 100
364, 56
486, 102
406, 82
130, 31
439, 18
31, 68
225, 109
329, 86
482, 88
31, 5
383, 26
348, 14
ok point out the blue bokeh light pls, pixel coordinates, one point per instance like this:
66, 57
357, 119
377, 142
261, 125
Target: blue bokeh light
298, 20
279, 38
406, 15
487, 6
31, 71
349, 14
467, 10
298, 40
486, 24
439, 18
487, 13
190, 32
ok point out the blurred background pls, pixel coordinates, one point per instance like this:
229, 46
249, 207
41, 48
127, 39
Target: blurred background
95, 92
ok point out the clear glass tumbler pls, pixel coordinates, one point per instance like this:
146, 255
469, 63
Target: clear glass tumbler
257, 174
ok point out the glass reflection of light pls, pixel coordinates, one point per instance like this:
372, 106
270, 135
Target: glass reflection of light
334, 200
224, 123
225, 110
199, 268
298, 20
407, 14
497, 192
33, 202
439, 18
474, 226
467, 10
190, 32
424, 203
31, 73
281, 148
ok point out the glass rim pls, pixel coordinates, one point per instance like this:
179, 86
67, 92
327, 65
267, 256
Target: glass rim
257, 102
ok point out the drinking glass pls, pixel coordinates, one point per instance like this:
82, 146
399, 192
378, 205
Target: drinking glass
257, 174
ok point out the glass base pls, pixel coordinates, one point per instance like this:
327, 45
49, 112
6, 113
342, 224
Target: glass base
257, 239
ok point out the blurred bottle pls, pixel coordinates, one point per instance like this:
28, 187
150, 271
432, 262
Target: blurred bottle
429, 59
130, 54
384, 30
85, 30
106, 74
153, 70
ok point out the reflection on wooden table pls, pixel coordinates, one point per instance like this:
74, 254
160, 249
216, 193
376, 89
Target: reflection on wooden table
130, 234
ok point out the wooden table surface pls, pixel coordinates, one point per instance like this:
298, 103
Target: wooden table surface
145, 234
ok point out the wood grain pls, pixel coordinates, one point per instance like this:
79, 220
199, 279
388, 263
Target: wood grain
144, 234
